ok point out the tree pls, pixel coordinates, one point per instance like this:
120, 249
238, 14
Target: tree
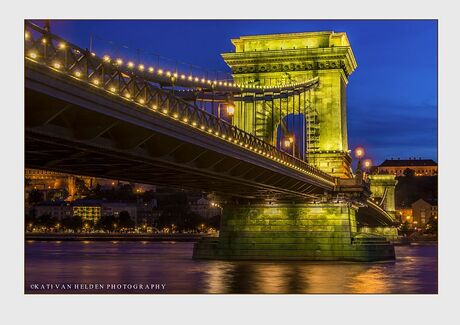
190, 221
45, 220
214, 221
96, 192
81, 188
59, 194
124, 220
125, 192
107, 223
35, 196
432, 226
72, 223
409, 172
405, 228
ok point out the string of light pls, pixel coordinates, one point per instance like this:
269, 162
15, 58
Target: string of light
57, 66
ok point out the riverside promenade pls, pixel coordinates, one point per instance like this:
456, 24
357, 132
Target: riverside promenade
114, 237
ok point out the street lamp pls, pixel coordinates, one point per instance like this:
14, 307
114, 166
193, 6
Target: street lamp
287, 143
367, 164
230, 110
290, 141
359, 152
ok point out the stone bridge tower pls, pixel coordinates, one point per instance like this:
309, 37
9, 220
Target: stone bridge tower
279, 59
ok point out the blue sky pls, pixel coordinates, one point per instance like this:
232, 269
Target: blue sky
391, 97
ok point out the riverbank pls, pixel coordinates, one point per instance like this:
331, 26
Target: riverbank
416, 240
113, 237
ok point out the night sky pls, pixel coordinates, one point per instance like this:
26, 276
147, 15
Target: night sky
391, 97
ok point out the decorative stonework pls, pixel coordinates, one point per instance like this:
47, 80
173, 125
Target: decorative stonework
290, 58
287, 67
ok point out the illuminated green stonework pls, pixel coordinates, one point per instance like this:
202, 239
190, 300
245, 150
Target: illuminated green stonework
274, 60
323, 232
383, 188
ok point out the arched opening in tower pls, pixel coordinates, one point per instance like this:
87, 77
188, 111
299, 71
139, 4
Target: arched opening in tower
291, 136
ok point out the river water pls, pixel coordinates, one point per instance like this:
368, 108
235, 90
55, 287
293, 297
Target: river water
168, 267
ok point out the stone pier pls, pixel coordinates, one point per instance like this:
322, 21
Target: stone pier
317, 232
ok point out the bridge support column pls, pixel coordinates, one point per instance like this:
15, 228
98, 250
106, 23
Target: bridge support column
326, 232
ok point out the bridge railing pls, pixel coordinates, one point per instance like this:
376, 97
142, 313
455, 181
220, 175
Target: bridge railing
60, 56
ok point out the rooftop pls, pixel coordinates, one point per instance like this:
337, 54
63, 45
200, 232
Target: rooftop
408, 162
322, 39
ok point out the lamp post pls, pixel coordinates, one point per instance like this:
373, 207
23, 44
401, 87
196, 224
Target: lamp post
230, 112
359, 153
367, 165
288, 142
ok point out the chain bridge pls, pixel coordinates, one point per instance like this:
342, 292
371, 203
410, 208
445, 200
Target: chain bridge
271, 143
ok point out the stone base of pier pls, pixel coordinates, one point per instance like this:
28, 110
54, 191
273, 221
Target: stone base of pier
315, 232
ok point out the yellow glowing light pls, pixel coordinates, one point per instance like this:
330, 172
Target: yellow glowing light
96, 81
230, 110
287, 143
196, 79
182, 76
33, 55
151, 69
141, 67
130, 64
225, 84
106, 58
185, 120
127, 95
112, 89
202, 127
62, 45
119, 61
154, 107
93, 54
168, 73
367, 163
175, 115
26, 35
209, 81
220, 83
359, 152
175, 75
44, 40
141, 101
77, 74
190, 78
203, 80
57, 65
160, 72
165, 111
194, 123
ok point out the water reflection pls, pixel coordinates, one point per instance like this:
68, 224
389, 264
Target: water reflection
414, 271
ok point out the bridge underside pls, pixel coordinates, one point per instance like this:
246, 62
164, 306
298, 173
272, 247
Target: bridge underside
75, 130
